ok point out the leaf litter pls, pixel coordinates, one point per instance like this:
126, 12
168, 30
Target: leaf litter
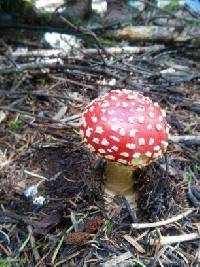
40, 148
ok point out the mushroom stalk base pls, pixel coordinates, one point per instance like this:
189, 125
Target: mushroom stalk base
118, 179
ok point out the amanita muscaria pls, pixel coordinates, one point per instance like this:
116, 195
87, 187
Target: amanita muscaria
129, 131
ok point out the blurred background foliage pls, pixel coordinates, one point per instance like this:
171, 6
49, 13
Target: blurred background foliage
13, 6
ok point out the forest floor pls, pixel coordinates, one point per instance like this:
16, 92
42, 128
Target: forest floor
51, 204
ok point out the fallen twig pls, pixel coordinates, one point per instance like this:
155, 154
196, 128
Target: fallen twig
87, 51
44, 65
162, 223
33, 244
155, 33
134, 243
126, 49
67, 122
90, 33
194, 139
168, 240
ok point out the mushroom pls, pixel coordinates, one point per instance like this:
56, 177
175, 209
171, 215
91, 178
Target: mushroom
129, 131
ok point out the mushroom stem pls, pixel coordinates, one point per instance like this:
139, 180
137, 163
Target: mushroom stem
118, 179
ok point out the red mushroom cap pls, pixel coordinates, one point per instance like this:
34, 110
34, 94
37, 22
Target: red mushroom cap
126, 127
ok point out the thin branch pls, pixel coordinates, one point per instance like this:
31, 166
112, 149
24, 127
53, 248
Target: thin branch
87, 51
68, 120
89, 33
194, 139
162, 223
168, 240
33, 66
